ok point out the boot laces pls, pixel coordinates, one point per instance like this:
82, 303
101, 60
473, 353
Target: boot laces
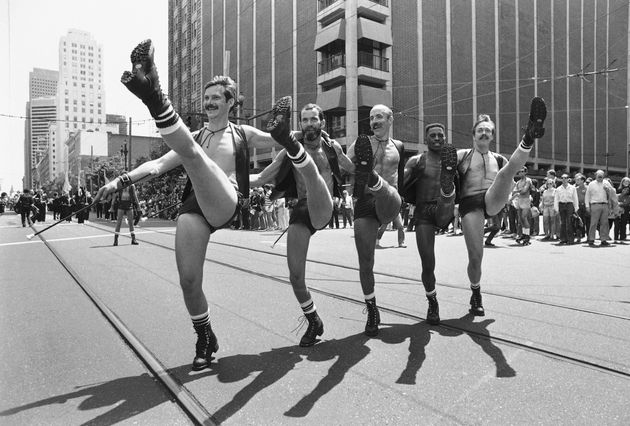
371, 311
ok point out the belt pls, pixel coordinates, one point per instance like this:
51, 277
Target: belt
603, 202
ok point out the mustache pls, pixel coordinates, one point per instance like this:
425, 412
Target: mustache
209, 107
484, 137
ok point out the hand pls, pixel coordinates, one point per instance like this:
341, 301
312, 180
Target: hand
106, 190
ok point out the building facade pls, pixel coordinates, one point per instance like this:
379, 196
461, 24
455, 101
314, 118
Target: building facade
42, 84
430, 61
80, 93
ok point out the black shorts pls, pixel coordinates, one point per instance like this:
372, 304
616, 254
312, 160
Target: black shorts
190, 205
300, 214
366, 207
472, 203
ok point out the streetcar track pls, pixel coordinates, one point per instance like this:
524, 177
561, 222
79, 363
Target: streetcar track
415, 279
181, 395
510, 342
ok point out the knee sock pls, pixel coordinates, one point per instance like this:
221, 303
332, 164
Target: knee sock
375, 182
300, 158
167, 121
201, 319
432, 293
308, 307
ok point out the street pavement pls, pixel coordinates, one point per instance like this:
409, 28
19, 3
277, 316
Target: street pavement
552, 349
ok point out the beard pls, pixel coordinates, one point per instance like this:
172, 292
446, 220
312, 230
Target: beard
311, 134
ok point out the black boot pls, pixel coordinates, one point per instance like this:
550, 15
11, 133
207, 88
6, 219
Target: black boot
373, 318
433, 312
115, 240
315, 328
476, 308
206, 345
143, 81
535, 129
133, 240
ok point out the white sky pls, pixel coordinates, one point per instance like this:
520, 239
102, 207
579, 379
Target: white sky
30, 32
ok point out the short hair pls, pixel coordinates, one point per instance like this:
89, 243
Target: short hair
552, 172
483, 118
600, 172
229, 86
320, 111
432, 125
579, 176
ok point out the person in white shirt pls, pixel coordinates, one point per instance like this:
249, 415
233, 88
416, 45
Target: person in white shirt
565, 202
596, 200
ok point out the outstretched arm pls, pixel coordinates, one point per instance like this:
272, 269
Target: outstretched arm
145, 171
257, 138
269, 173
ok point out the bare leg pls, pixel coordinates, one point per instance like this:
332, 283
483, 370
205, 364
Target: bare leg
215, 194
365, 231
425, 240
319, 200
298, 239
472, 225
191, 243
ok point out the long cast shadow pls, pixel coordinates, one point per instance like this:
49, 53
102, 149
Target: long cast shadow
128, 396
419, 336
273, 365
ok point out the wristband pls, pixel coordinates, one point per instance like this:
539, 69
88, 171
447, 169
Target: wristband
125, 179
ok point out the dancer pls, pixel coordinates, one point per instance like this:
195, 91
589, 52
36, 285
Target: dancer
429, 178
312, 186
486, 181
216, 159
379, 169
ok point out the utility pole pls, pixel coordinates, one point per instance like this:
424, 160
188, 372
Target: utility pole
129, 167
608, 154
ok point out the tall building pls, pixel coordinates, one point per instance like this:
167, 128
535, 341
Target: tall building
80, 93
430, 61
41, 113
42, 84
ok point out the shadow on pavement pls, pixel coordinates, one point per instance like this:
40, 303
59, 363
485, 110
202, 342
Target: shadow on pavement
128, 396
419, 336
276, 363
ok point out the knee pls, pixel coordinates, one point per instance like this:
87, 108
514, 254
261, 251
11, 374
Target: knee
190, 282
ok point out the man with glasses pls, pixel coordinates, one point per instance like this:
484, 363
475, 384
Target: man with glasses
566, 203
486, 181
596, 201
429, 180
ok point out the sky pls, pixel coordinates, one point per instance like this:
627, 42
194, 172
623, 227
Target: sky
29, 38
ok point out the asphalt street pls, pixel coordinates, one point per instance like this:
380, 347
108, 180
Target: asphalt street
552, 349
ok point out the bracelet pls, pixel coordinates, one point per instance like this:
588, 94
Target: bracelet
125, 179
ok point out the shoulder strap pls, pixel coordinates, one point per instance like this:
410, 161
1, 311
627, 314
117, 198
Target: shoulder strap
241, 151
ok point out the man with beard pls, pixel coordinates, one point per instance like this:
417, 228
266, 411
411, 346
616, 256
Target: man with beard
331, 163
216, 160
379, 169
429, 185
486, 181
